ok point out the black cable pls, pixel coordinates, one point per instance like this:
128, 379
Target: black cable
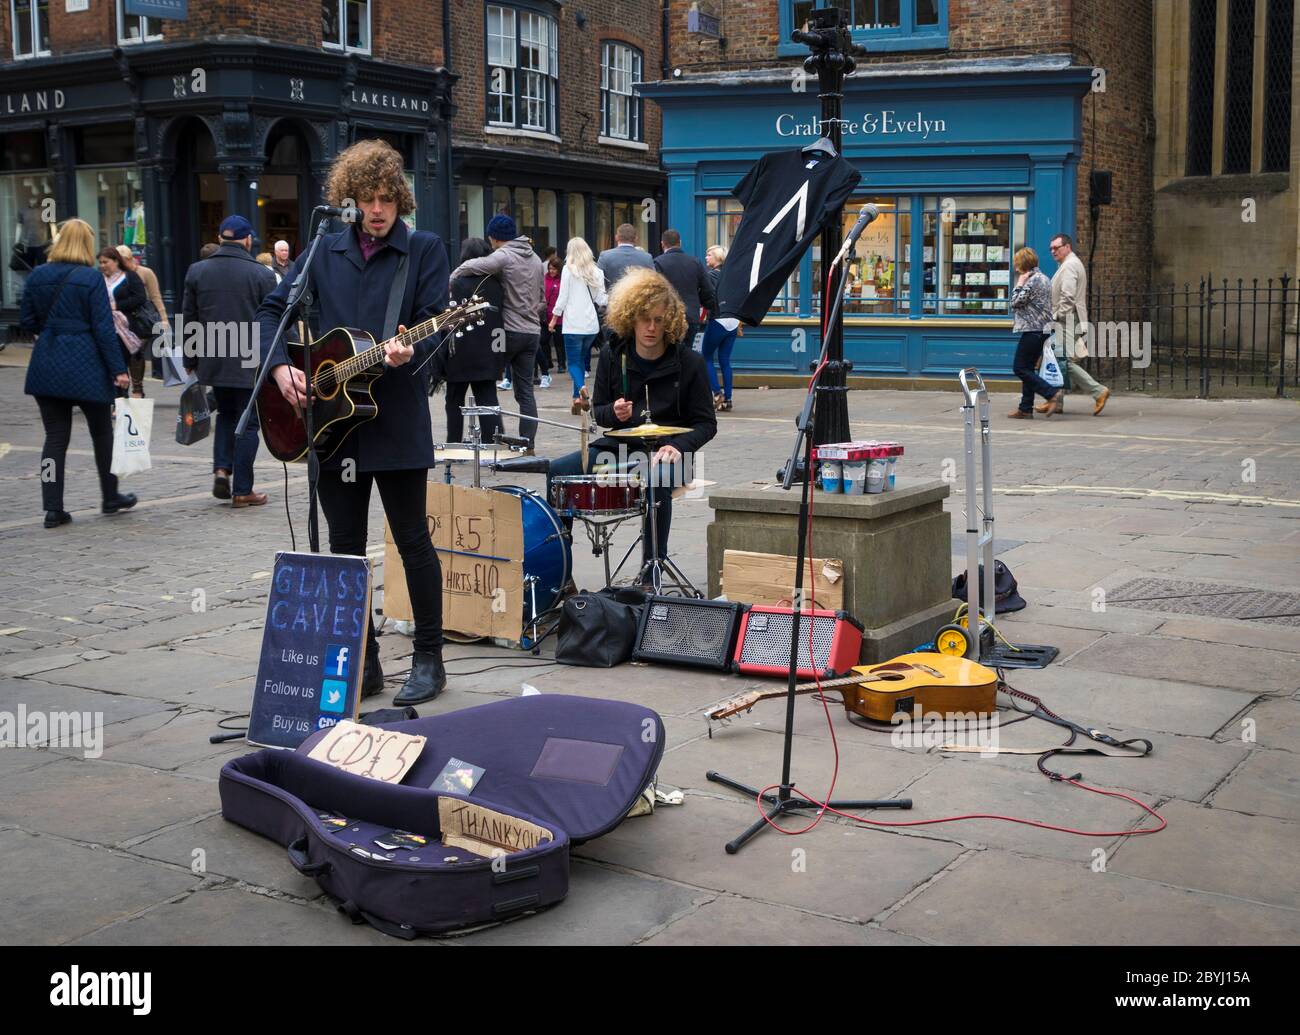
288, 515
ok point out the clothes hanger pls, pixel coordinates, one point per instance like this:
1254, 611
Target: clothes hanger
821, 144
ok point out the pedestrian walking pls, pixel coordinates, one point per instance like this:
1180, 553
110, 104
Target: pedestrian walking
76, 360
624, 256
128, 298
1070, 313
471, 363
224, 291
281, 263
1031, 309
522, 277
163, 325
689, 279
582, 292
719, 334
552, 337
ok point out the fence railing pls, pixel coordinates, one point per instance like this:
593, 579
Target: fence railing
1213, 337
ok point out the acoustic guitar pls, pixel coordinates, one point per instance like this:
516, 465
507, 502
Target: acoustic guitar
930, 682
344, 364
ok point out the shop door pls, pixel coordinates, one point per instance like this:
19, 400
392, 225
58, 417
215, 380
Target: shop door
283, 191
198, 201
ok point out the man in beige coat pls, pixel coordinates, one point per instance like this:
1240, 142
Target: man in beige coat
1070, 313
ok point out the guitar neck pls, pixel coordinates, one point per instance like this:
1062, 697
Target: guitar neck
410, 337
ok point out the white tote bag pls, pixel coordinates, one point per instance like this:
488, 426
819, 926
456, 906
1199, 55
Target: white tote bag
132, 428
1050, 369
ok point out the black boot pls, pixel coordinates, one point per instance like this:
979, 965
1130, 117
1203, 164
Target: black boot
425, 682
122, 501
55, 518
372, 677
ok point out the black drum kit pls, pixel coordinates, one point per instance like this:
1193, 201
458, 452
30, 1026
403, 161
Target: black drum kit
602, 499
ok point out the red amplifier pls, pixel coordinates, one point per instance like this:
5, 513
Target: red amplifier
763, 648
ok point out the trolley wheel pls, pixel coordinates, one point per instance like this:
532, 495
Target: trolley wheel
952, 640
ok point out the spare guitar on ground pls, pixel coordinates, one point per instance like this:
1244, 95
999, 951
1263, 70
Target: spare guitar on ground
374, 272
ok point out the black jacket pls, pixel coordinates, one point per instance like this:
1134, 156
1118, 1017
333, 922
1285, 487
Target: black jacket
689, 279
131, 298
224, 289
472, 358
679, 394
715, 278
351, 292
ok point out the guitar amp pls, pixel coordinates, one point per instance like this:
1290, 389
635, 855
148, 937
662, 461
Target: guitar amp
685, 631
763, 648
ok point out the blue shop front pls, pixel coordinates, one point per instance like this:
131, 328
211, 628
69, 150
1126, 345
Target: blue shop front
967, 161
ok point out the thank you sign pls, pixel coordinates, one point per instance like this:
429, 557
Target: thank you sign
313, 647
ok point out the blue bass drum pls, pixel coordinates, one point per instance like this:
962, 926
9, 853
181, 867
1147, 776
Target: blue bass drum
547, 563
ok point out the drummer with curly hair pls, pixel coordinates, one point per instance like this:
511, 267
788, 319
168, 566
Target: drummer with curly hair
355, 272
648, 372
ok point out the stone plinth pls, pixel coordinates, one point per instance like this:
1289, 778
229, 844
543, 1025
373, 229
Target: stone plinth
896, 548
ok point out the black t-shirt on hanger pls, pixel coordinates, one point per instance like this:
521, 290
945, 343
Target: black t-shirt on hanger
789, 197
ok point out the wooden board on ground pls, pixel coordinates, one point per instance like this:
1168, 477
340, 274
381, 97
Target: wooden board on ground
768, 578
479, 536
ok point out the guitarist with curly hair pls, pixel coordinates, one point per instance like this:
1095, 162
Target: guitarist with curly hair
352, 279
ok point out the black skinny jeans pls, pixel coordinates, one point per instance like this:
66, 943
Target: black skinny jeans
1029, 350
485, 394
56, 415
347, 505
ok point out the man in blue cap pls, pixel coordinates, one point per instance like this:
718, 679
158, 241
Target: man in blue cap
523, 280
218, 333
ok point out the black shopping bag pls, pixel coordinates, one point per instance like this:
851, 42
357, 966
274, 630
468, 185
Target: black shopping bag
193, 419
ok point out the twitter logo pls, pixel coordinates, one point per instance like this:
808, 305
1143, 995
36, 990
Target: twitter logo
333, 696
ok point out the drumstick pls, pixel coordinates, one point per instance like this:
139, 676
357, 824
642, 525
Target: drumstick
624, 375
586, 459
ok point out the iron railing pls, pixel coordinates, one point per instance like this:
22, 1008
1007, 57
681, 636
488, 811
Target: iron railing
1210, 338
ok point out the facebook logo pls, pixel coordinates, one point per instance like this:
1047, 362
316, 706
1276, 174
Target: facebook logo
336, 660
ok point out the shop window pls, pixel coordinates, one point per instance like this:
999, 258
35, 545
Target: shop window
136, 28
522, 69
25, 150
620, 102
578, 216
1239, 89
105, 144
882, 25
22, 210
31, 23
112, 202
473, 220
1277, 86
967, 247
345, 25
548, 226
879, 260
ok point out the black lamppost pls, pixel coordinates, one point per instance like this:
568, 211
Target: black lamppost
833, 51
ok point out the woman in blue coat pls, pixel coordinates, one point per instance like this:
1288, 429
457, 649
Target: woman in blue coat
76, 362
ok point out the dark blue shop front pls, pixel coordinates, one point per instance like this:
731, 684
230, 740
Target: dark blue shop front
967, 161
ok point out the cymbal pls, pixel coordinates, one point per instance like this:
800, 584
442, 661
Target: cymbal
648, 431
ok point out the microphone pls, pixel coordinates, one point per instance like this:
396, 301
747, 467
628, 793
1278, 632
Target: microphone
348, 215
868, 213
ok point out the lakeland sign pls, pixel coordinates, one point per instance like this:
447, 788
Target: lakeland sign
35, 100
885, 123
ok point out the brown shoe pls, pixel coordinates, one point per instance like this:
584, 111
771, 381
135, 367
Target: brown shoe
1041, 408
253, 499
1101, 401
1055, 404
1020, 415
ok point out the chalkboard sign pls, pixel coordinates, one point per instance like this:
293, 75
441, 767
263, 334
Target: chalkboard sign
313, 647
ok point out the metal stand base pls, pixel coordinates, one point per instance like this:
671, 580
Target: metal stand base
784, 802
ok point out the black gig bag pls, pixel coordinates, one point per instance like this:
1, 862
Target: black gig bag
599, 630
574, 766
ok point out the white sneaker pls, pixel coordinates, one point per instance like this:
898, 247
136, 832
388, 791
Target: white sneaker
546, 381
504, 384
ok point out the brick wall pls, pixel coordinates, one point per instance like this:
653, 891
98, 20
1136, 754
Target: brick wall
632, 21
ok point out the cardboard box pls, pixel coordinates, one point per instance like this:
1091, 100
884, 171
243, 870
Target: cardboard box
768, 578
479, 536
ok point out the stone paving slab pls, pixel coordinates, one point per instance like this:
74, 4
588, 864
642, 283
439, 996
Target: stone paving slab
1267, 784
1276, 724
80, 888
1219, 851
39, 695
1003, 898
1252, 669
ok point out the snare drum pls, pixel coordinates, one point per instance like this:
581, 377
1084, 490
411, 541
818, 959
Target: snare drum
597, 494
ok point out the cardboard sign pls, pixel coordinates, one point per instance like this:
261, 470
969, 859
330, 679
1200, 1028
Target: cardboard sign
768, 578
479, 536
368, 751
486, 832
313, 647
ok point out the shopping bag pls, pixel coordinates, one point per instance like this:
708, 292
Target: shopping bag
193, 418
174, 373
132, 426
1050, 369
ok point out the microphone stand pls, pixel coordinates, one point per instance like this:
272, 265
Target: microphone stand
784, 801
296, 293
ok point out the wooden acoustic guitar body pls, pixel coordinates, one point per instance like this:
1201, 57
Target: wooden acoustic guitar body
336, 411
930, 682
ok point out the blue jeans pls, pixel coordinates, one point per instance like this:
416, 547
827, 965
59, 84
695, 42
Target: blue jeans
228, 454
720, 340
665, 476
1029, 351
577, 349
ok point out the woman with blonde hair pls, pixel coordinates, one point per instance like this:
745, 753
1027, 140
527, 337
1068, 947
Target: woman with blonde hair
719, 334
1031, 306
582, 291
647, 372
76, 361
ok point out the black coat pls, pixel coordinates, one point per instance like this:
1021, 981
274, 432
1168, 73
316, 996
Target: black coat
689, 279
225, 288
472, 357
131, 298
350, 292
679, 394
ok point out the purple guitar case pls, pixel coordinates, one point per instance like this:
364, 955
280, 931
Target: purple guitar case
573, 766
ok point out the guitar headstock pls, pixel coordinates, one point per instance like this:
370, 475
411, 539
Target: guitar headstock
468, 312
733, 706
